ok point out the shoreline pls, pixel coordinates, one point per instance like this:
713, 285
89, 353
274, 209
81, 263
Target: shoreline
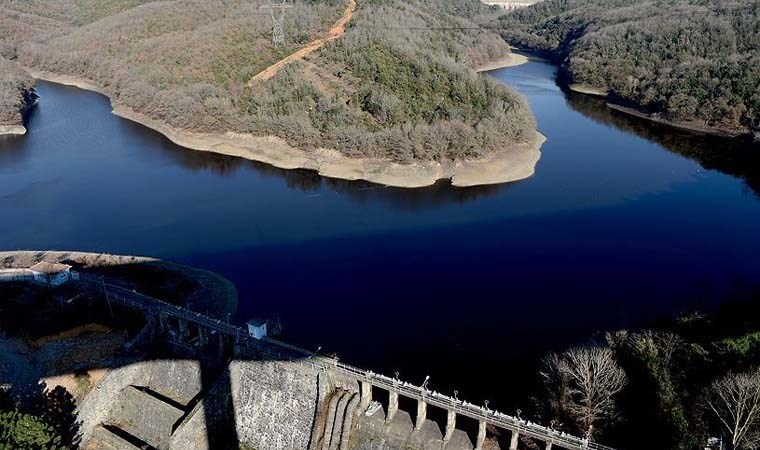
511, 60
692, 127
588, 90
12, 130
512, 164
686, 126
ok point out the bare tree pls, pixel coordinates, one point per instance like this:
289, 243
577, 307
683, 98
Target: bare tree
582, 383
735, 401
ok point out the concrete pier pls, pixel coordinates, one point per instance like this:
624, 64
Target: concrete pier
183, 330
421, 415
451, 424
392, 406
481, 439
514, 441
366, 392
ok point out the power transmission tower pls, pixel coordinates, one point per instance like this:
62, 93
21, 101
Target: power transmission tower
277, 10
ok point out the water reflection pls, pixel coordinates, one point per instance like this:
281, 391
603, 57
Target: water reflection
736, 157
309, 181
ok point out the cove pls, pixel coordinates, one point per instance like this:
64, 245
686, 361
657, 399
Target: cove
623, 222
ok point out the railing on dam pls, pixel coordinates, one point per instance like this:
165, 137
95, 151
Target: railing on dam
278, 350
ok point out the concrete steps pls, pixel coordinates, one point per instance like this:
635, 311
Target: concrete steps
105, 439
152, 410
139, 417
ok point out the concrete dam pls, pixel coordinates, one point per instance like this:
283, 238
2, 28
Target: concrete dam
264, 394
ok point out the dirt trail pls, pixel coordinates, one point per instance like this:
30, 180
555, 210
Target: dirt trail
335, 32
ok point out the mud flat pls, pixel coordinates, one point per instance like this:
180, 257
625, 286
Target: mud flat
515, 162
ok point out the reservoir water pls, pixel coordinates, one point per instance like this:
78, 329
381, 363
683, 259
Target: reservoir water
622, 223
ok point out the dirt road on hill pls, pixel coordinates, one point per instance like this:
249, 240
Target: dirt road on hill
337, 30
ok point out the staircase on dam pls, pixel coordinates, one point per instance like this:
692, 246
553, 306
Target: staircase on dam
150, 406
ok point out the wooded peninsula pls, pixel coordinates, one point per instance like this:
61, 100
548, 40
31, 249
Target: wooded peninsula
690, 63
16, 94
393, 100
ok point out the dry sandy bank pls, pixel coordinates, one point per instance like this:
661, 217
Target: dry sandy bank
511, 60
513, 163
588, 90
12, 130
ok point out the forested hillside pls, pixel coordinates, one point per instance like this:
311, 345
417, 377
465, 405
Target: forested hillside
392, 87
692, 61
15, 93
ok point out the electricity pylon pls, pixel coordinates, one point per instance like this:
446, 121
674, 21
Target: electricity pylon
277, 10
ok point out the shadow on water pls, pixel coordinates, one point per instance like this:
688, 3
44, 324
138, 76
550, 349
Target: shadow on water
736, 157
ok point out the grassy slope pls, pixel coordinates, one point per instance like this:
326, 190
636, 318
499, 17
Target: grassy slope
689, 60
405, 95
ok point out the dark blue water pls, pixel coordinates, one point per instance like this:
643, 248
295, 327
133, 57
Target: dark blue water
620, 225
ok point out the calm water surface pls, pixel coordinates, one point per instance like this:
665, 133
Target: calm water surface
620, 225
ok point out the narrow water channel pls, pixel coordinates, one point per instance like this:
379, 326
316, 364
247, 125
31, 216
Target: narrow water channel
622, 223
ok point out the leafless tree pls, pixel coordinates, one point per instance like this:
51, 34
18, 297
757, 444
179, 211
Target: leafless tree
735, 401
582, 383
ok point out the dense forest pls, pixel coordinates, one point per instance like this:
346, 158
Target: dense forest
395, 86
15, 93
688, 61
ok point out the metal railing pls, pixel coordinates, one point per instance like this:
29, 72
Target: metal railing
282, 351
